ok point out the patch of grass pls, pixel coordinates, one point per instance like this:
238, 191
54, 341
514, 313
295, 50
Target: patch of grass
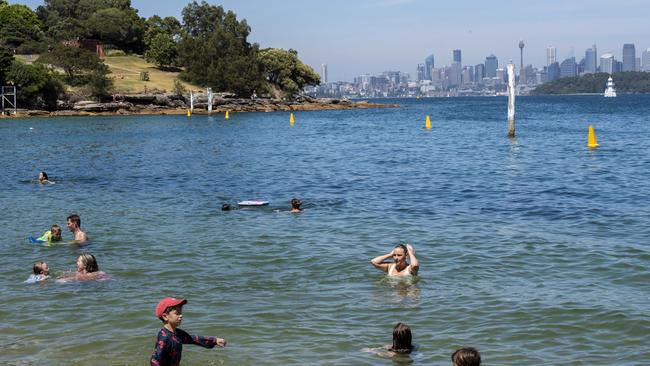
126, 75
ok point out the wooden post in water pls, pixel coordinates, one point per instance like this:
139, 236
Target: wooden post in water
209, 101
191, 101
511, 100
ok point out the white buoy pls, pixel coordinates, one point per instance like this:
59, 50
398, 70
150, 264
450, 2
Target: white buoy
209, 100
191, 102
511, 100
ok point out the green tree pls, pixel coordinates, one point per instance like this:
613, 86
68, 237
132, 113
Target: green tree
283, 69
6, 59
77, 63
157, 25
122, 28
36, 86
215, 52
20, 28
162, 50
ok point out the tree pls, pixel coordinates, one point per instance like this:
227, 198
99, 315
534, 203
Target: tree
215, 52
157, 25
20, 28
36, 86
77, 63
283, 69
6, 59
162, 50
122, 28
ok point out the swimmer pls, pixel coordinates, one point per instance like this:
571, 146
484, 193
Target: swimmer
74, 224
399, 266
402, 343
295, 205
466, 356
43, 178
41, 272
226, 207
87, 270
52, 235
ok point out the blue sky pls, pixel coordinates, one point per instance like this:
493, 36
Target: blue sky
371, 36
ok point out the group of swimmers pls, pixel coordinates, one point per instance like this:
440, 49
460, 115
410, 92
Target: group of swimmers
401, 261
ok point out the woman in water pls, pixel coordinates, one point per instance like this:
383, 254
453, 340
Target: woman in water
43, 178
399, 266
87, 270
402, 343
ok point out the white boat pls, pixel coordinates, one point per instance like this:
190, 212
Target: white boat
610, 92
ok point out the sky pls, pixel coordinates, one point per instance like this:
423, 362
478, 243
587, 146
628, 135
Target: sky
356, 37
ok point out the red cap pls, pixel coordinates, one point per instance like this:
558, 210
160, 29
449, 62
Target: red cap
167, 302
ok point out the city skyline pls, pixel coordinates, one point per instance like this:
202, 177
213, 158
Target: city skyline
371, 36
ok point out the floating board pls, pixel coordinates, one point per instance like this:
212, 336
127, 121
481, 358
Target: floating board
32, 240
253, 203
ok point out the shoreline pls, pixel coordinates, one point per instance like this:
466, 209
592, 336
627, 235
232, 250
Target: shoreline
141, 104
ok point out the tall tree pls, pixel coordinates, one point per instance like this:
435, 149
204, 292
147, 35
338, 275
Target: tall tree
6, 59
215, 51
283, 69
20, 28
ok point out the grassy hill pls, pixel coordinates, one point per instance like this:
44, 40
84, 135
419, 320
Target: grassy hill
125, 72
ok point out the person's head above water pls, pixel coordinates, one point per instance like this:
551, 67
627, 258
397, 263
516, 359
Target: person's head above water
466, 356
41, 268
56, 232
42, 176
399, 253
74, 222
86, 263
295, 205
226, 207
402, 339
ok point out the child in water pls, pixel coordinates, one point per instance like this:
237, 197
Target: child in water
295, 205
466, 356
402, 343
41, 272
50, 236
169, 346
43, 178
87, 270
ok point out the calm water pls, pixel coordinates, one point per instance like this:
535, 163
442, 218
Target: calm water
536, 250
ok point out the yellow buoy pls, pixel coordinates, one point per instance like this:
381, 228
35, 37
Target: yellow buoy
291, 119
591, 139
427, 124
227, 116
189, 113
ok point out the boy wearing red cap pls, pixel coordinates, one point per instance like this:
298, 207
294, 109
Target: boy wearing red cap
169, 345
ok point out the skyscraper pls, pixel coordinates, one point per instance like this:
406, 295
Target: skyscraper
491, 66
522, 71
607, 63
645, 60
629, 56
457, 57
428, 65
479, 73
591, 63
551, 55
553, 71
568, 68
323, 76
420, 72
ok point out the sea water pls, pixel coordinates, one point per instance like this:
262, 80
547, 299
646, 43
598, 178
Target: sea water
534, 250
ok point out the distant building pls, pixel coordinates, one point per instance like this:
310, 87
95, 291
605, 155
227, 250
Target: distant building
607, 63
479, 72
91, 45
323, 76
420, 72
591, 62
568, 68
618, 66
491, 66
645, 60
501, 75
455, 74
629, 57
467, 75
637, 64
428, 65
553, 71
551, 55
457, 57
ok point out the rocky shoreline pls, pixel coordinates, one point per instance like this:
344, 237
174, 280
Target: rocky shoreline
162, 104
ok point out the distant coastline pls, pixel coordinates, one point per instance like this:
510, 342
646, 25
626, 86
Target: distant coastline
167, 104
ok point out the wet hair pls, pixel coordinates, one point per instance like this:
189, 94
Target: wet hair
56, 228
295, 203
406, 251
45, 175
75, 219
402, 339
38, 267
225, 207
466, 356
89, 262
